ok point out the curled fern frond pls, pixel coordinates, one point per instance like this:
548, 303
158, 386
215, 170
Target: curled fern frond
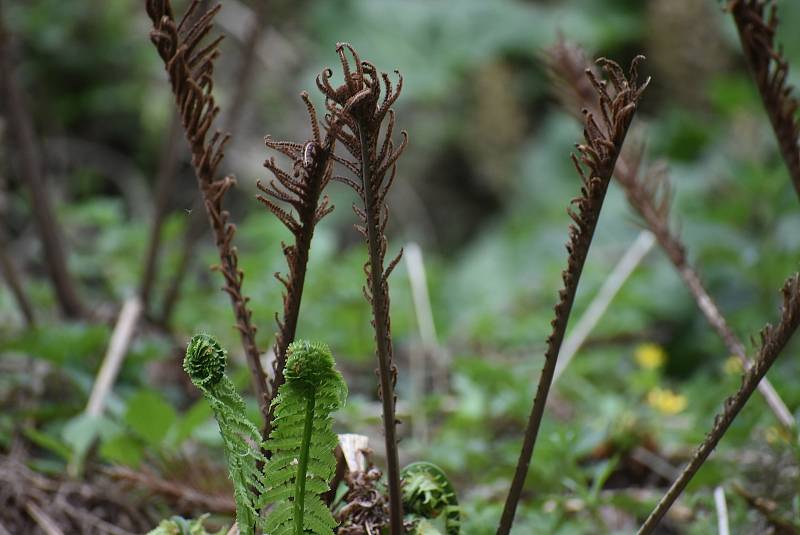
205, 361
604, 132
302, 191
757, 23
302, 442
189, 62
362, 106
205, 364
428, 494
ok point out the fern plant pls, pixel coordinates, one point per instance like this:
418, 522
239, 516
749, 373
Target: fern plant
205, 364
429, 495
302, 442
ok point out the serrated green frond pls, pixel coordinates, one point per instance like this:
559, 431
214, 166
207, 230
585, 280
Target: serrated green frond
205, 364
302, 442
427, 493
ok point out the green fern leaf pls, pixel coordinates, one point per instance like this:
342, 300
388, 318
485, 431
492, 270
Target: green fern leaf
205, 364
302, 443
427, 494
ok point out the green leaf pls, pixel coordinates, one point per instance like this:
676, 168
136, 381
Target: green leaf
149, 416
48, 442
121, 449
198, 414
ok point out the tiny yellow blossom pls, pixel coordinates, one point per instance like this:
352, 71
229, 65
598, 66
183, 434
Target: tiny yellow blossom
666, 401
733, 366
777, 435
650, 356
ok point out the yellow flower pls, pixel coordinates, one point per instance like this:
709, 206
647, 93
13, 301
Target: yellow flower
650, 356
776, 434
733, 366
666, 401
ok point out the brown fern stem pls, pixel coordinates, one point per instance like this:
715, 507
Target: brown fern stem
302, 191
757, 22
649, 195
617, 105
361, 115
773, 340
190, 66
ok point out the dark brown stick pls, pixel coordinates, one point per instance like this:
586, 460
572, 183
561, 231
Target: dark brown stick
163, 189
617, 105
9, 272
30, 169
190, 66
195, 228
247, 64
773, 340
650, 197
770, 70
357, 106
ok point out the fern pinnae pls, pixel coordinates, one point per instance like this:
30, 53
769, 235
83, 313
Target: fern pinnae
302, 442
205, 363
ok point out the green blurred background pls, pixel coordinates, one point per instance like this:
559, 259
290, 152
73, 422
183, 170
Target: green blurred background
482, 188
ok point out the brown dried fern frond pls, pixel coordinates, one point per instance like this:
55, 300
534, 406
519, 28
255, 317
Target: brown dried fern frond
649, 193
773, 340
189, 61
302, 190
757, 22
604, 133
366, 123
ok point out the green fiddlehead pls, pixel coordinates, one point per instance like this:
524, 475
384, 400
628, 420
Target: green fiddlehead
302, 442
428, 494
205, 363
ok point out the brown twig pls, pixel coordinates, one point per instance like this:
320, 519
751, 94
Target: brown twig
757, 22
30, 169
773, 340
163, 188
190, 66
194, 230
185, 494
12, 278
302, 192
617, 105
770, 510
357, 105
650, 197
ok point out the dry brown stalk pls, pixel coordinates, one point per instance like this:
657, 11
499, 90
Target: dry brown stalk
190, 66
773, 340
650, 196
757, 22
302, 190
358, 108
617, 99
14, 282
163, 188
20, 127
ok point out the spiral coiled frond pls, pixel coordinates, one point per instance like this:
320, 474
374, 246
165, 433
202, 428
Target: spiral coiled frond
205, 361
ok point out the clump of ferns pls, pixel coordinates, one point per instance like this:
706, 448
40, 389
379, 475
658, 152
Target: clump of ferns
363, 115
301, 440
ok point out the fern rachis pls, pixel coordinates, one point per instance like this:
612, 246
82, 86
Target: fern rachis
205, 364
302, 442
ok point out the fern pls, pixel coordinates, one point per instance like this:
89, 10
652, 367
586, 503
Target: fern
428, 494
205, 364
302, 442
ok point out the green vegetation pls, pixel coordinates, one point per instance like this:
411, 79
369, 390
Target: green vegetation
481, 189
